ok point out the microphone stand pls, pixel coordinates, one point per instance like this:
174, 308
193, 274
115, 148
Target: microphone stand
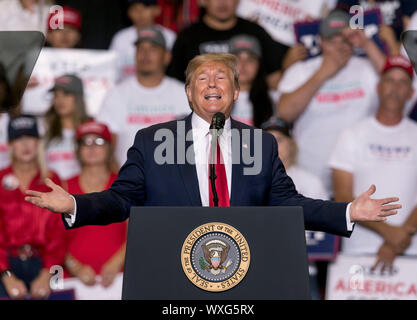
214, 135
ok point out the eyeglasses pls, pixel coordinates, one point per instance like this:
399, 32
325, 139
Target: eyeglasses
92, 141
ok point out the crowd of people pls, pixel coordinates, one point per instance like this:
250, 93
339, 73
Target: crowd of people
342, 121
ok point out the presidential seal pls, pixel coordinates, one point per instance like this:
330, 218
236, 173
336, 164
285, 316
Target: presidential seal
215, 257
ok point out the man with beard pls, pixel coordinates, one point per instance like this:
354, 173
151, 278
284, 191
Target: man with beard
382, 149
148, 98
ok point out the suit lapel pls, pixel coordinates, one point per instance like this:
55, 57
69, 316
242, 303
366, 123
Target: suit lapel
238, 179
188, 171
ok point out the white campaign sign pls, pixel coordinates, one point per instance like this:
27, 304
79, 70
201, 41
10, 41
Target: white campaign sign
351, 278
96, 68
278, 16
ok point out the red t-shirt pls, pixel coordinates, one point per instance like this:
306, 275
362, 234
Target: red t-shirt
94, 245
24, 223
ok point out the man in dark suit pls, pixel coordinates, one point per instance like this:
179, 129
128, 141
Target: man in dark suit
159, 170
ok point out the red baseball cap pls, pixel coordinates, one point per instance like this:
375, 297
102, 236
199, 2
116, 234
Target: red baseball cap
71, 17
399, 62
93, 127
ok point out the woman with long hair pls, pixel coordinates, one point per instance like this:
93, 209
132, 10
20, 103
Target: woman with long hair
68, 110
95, 252
31, 239
254, 105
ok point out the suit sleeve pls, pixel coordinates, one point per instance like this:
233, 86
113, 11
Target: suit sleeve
319, 215
113, 205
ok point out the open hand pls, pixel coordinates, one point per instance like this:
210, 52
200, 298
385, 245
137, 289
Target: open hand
58, 200
364, 208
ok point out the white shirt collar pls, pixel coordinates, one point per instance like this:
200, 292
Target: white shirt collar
201, 125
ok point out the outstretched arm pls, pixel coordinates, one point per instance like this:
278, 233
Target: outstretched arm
328, 216
100, 208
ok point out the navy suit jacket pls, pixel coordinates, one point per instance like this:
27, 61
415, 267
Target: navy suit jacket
143, 182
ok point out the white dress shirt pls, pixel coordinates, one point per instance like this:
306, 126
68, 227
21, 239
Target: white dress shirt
201, 144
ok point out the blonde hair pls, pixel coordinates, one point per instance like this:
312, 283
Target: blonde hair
229, 60
40, 159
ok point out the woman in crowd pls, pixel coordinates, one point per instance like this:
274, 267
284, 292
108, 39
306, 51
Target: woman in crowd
31, 239
256, 100
254, 105
104, 254
66, 113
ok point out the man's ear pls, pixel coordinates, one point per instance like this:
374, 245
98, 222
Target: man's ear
167, 57
412, 91
188, 92
235, 94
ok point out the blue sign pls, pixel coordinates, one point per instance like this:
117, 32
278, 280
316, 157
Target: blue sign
321, 246
307, 33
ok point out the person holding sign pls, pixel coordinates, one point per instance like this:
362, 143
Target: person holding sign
324, 94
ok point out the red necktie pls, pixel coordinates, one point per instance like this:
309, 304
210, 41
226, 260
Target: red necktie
221, 181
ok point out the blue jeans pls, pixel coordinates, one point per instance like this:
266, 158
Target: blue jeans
25, 270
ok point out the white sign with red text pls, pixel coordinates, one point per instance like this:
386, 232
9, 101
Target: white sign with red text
352, 278
96, 68
277, 17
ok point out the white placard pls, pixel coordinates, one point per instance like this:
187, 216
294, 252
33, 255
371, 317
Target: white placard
96, 68
351, 278
278, 16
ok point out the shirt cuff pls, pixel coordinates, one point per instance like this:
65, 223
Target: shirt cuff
70, 218
349, 224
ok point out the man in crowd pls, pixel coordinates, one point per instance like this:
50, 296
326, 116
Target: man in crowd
149, 97
322, 95
142, 13
212, 34
383, 149
211, 87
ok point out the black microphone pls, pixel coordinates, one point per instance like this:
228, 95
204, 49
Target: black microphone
218, 120
216, 128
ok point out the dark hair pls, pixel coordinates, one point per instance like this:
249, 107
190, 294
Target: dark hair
54, 125
259, 97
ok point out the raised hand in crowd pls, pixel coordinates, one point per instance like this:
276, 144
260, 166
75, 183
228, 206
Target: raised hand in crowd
293, 55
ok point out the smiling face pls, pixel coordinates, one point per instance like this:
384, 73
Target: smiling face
212, 89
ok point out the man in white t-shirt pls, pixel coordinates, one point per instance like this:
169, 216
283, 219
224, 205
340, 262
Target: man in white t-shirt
325, 94
142, 13
382, 149
148, 98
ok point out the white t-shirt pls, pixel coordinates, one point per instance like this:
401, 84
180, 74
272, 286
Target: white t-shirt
14, 17
60, 155
123, 43
387, 157
411, 103
343, 100
307, 183
4, 153
243, 110
129, 107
